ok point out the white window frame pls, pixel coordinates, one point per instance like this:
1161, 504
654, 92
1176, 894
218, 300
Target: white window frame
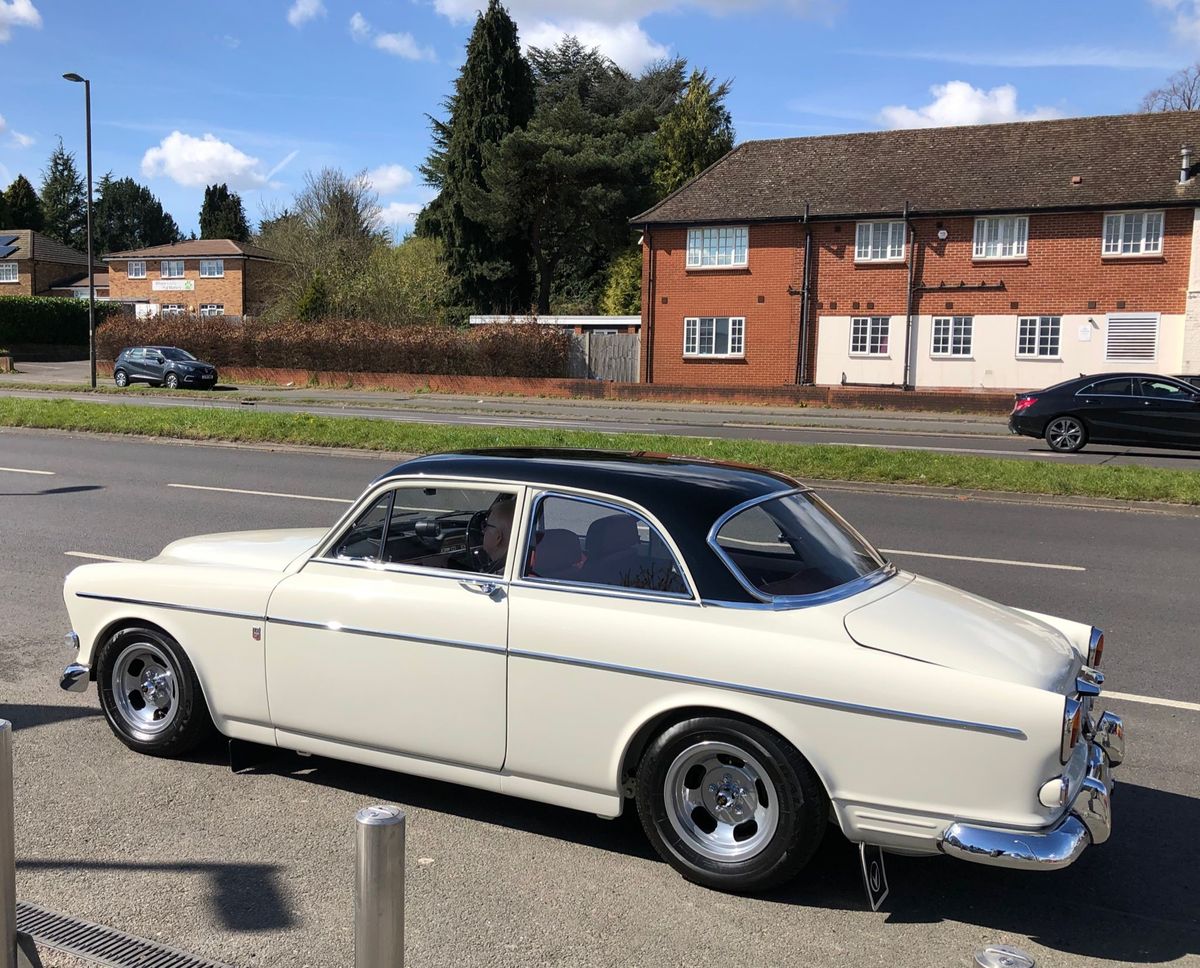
136, 269
212, 309
874, 327
173, 309
1118, 241
866, 241
166, 268
999, 232
5, 275
1040, 323
718, 247
957, 328
212, 268
693, 338
1119, 318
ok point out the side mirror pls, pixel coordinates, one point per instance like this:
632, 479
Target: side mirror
161, 360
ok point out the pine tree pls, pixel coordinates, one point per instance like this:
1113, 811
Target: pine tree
128, 216
493, 95
5, 221
222, 216
694, 134
24, 206
64, 205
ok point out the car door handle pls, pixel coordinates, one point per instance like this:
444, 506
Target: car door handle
489, 588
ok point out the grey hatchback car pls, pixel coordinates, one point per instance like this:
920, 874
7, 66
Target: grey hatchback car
166, 366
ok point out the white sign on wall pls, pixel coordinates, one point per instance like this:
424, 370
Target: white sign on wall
173, 285
1085, 333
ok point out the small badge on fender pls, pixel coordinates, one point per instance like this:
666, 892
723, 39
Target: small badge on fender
256, 632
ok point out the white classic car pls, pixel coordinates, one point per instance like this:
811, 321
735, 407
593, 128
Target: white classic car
584, 628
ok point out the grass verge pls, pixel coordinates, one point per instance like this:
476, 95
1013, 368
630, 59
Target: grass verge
811, 462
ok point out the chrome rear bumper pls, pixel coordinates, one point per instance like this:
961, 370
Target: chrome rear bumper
1088, 821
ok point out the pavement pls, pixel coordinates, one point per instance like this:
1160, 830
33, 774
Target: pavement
256, 868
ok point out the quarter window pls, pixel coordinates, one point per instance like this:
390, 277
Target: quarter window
720, 246
1133, 233
8, 272
212, 268
869, 335
171, 268
879, 242
1038, 336
952, 335
1001, 238
714, 336
136, 269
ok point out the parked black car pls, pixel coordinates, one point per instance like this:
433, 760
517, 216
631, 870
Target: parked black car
1111, 408
166, 366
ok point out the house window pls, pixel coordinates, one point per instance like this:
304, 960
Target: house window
714, 336
879, 242
171, 268
212, 268
8, 272
137, 269
869, 335
1133, 233
173, 309
721, 246
1037, 336
212, 309
1001, 238
951, 336
1132, 339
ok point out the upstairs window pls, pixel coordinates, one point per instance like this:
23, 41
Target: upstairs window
171, 268
212, 268
879, 242
718, 247
1038, 336
1005, 237
1133, 233
869, 335
714, 336
137, 269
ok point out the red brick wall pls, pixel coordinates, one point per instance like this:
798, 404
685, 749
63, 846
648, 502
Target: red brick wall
225, 291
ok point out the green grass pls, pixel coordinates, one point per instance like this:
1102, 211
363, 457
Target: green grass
816, 462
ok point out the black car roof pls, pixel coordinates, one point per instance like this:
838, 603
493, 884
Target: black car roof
1085, 378
686, 494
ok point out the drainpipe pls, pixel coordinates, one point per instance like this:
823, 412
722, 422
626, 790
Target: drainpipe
911, 234
649, 341
802, 354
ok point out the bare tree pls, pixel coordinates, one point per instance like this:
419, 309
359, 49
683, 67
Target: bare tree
1180, 93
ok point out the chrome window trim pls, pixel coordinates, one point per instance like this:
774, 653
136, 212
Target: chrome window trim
200, 610
847, 589
418, 570
607, 591
381, 634
836, 704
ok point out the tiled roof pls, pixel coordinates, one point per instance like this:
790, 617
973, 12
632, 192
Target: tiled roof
80, 280
1072, 163
196, 249
35, 245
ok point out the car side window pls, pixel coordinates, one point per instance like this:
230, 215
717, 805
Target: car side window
1111, 388
1164, 390
589, 543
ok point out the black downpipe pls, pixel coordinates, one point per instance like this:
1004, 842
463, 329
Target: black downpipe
650, 310
802, 355
911, 234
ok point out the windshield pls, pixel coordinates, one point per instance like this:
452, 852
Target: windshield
173, 354
794, 545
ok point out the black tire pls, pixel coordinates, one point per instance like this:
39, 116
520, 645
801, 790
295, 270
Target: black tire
190, 724
1066, 434
800, 803
171, 382
121, 378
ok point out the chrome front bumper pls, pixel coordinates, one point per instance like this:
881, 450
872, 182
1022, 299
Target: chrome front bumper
1088, 821
75, 677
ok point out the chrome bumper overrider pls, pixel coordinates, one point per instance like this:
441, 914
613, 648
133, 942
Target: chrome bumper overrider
1088, 821
75, 678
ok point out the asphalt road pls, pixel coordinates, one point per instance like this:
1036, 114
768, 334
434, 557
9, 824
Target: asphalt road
256, 868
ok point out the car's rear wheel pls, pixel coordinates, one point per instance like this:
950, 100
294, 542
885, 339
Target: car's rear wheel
729, 804
150, 694
1066, 435
121, 378
172, 381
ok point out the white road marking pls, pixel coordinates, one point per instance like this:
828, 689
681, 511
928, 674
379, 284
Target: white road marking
239, 490
985, 561
23, 470
1152, 701
991, 452
92, 557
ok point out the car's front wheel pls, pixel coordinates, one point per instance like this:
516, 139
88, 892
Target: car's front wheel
729, 804
150, 694
172, 381
121, 378
1065, 435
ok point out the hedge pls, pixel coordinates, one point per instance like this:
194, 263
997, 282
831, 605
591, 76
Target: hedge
350, 346
48, 320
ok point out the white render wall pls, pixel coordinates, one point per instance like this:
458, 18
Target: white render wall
993, 363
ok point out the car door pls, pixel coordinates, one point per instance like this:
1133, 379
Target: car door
1170, 413
154, 364
1112, 410
391, 637
135, 364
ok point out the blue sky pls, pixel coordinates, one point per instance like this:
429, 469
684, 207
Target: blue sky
257, 92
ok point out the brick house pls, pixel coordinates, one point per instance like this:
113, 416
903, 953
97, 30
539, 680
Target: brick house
209, 277
33, 264
993, 256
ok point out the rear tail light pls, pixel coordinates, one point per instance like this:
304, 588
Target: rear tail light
1023, 403
1072, 726
1096, 648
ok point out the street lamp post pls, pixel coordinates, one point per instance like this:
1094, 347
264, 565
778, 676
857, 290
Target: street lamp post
91, 269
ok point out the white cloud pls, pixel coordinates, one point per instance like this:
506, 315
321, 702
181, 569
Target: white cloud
302, 11
959, 103
389, 179
22, 140
400, 213
400, 44
230, 42
17, 13
196, 162
1114, 58
1186, 25
625, 43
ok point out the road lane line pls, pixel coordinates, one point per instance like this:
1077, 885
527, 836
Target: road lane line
991, 452
23, 470
985, 561
1152, 701
239, 490
92, 557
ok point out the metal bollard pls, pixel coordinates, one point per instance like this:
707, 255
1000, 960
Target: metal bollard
379, 888
8, 854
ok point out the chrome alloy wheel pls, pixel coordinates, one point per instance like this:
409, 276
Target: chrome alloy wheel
1064, 434
721, 801
144, 688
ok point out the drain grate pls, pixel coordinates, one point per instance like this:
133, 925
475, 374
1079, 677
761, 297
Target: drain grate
105, 946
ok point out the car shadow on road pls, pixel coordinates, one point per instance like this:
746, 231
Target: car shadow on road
47, 492
28, 715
